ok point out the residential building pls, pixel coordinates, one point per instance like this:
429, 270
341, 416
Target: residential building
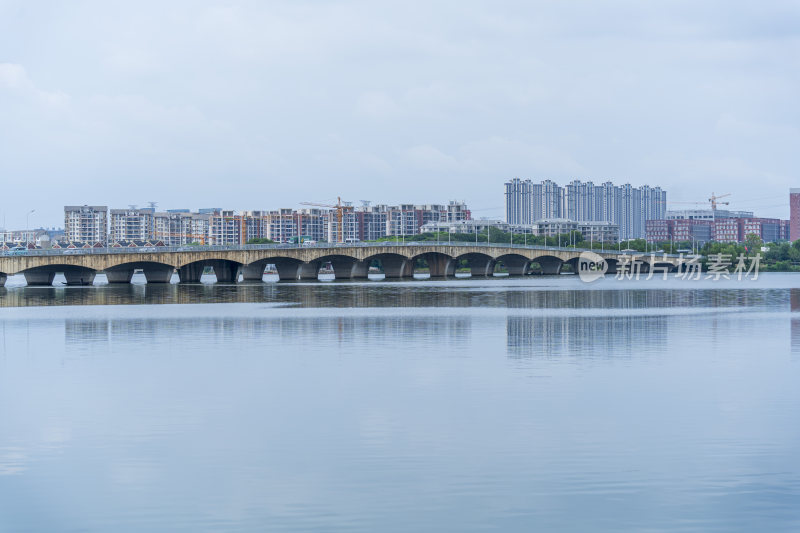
598, 231
226, 228
626, 206
312, 223
794, 214
518, 201
86, 223
132, 224
281, 225
178, 227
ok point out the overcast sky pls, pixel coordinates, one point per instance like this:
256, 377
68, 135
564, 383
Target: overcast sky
260, 105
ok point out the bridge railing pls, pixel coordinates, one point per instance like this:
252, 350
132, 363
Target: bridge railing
331, 246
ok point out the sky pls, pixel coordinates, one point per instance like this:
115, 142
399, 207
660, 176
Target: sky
262, 105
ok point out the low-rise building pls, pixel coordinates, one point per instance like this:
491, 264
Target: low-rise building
726, 229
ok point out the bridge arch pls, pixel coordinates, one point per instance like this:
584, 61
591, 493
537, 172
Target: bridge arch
287, 268
516, 264
344, 266
394, 265
480, 264
154, 271
548, 264
226, 270
45, 274
440, 265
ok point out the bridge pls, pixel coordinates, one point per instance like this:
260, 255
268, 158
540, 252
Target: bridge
298, 262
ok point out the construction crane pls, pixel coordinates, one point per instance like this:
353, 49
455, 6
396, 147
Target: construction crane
714, 199
340, 208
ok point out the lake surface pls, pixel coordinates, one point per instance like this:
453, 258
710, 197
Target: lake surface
537, 404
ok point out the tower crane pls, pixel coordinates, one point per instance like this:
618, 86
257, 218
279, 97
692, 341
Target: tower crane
713, 201
340, 208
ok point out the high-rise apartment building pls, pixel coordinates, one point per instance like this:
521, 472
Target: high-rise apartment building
312, 223
226, 228
794, 214
518, 201
132, 225
178, 227
282, 225
625, 206
86, 223
551, 200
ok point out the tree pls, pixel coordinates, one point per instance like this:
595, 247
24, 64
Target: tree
752, 243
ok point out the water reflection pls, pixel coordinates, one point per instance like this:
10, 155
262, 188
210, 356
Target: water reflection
516, 406
610, 336
89, 333
524, 294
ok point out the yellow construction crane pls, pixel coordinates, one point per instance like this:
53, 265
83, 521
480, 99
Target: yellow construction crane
340, 210
713, 201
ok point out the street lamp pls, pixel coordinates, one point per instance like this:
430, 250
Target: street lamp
27, 236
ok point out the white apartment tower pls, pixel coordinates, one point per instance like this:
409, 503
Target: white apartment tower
86, 223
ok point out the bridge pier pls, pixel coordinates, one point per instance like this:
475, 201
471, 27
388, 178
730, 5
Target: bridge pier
191, 273
225, 271
253, 272
119, 276
440, 266
360, 270
550, 265
39, 278
343, 267
307, 271
158, 274
484, 269
396, 268
516, 266
79, 277
3, 278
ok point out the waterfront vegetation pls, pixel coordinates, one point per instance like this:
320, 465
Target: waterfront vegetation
775, 257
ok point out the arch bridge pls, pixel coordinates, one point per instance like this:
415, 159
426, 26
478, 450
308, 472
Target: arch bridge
293, 262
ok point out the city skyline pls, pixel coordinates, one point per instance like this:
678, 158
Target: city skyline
360, 101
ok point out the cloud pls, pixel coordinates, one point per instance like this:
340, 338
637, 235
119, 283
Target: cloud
184, 97
377, 105
14, 78
430, 158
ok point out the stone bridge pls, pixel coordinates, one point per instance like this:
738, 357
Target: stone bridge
396, 260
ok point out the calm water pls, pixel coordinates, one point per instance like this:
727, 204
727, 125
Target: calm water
504, 404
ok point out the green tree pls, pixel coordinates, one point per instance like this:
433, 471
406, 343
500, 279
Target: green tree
752, 243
